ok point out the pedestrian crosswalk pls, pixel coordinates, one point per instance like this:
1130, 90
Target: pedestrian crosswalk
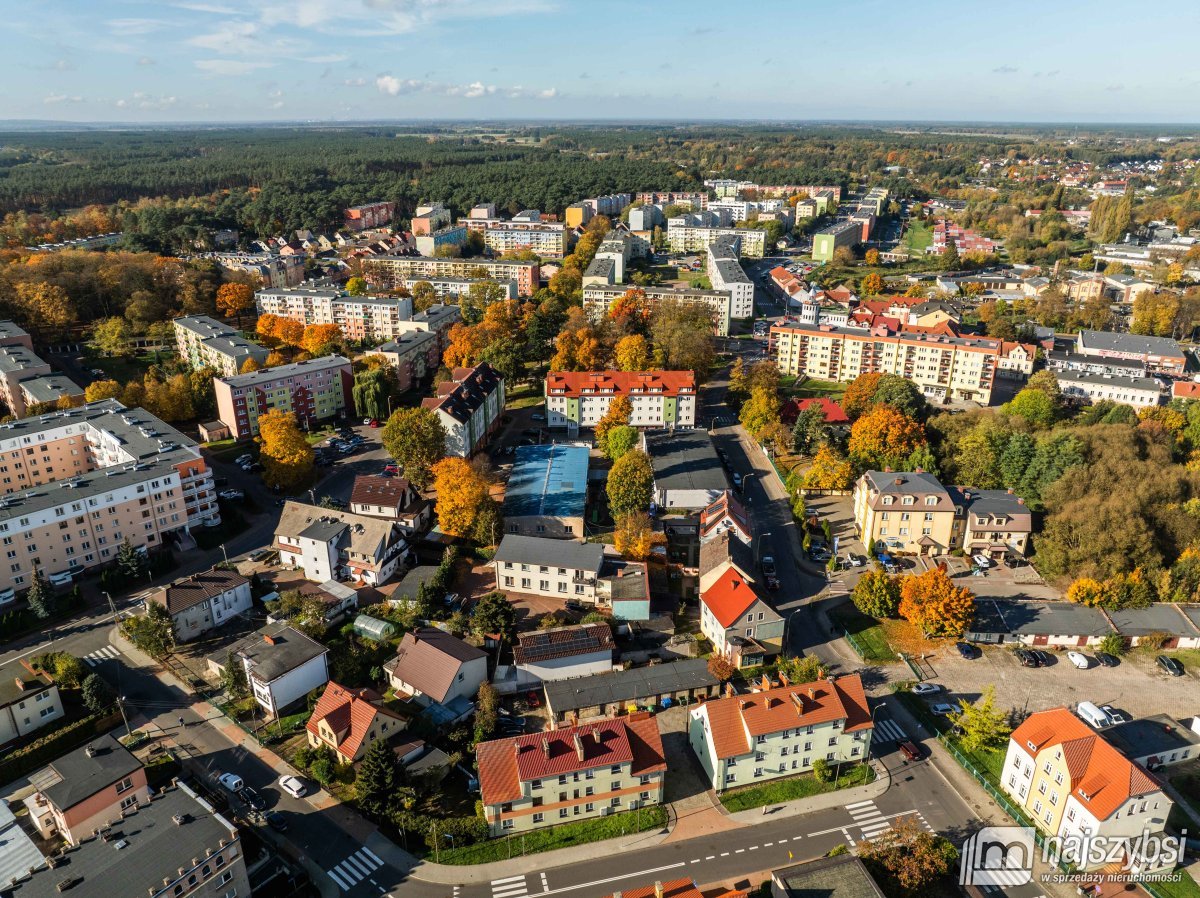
355, 868
108, 653
510, 887
873, 822
889, 730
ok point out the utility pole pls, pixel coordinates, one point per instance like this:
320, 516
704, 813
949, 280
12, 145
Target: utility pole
121, 705
111, 607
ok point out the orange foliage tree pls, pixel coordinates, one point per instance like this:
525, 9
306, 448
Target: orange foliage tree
829, 471
932, 602
320, 339
858, 395
635, 536
463, 493
266, 328
884, 438
234, 299
631, 311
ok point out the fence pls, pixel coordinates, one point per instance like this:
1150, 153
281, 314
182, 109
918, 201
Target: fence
854, 643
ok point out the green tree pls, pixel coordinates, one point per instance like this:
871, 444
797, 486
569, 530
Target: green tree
416, 439
68, 670
983, 725
877, 594
233, 677
620, 440
630, 486
822, 771
618, 414
153, 633
356, 286
487, 712
908, 858
801, 669
372, 390
1034, 406
131, 562
113, 336
902, 395
378, 781
97, 695
810, 430
1112, 644
41, 596
494, 613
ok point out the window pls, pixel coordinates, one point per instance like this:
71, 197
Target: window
507, 824
125, 784
537, 818
562, 813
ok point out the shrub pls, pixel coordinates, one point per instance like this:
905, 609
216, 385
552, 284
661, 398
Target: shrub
821, 770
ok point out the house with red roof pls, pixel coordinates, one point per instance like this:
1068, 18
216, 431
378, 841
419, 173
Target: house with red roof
834, 414
1185, 389
1072, 783
780, 730
576, 399
349, 720
591, 770
725, 513
736, 620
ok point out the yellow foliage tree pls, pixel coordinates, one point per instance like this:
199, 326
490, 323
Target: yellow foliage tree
234, 299
933, 603
759, 411
317, 338
635, 536
462, 495
250, 364
274, 357
632, 353
872, 284
1086, 591
102, 389
286, 456
829, 471
620, 410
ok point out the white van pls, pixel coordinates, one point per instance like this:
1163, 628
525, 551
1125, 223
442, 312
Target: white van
1089, 713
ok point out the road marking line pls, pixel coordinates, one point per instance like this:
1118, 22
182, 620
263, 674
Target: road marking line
371, 854
859, 804
348, 873
497, 882
507, 891
359, 865
753, 848
600, 882
710, 857
696, 861
724, 854
740, 851
768, 844
340, 883
544, 885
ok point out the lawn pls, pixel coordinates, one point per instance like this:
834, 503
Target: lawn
1185, 888
918, 237
129, 368
792, 788
584, 831
1188, 785
989, 762
525, 395
812, 388
869, 641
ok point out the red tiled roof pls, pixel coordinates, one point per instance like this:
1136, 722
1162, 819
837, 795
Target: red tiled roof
729, 597
658, 383
506, 763
832, 411
349, 713
733, 721
1102, 779
726, 505
375, 489
675, 888
1185, 389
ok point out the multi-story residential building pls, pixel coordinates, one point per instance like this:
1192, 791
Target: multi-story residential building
393, 272
644, 219
577, 215
688, 474
597, 298
941, 365
482, 211
828, 241
348, 721
26, 381
468, 405
547, 491
1074, 785
271, 270
313, 390
602, 273
370, 215
204, 601
554, 568
50, 390
780, 731
964, 239
911, 511
740, 625
865, 219
12, 334
413, 356
687, 238
29, 700
282, 665
576, 399
74, 485
328, 544
437, 320
1083, 386
1161, 355
695, 200
1065, 360
392, 498
429, 244
546, 238
429, 218
207, 343
87, 789
358, 317
457, 288
173, 845
725, 272
610, 204
591, 770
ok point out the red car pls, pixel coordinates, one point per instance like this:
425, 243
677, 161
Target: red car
374, 422
532, 698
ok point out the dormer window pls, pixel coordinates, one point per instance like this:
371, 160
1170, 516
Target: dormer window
907, 500
931, 500
887, 500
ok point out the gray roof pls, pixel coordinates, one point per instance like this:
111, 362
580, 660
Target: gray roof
50, 387
152, 847
628, 685
685, 460
406, 341
600, 268
18, 358
1133, 343
1009, 616
290, 649
904, 483
564, 553
1078, 358
75, 776
726, 547
844, 876
10, 692
1163, 618
18, 853
995, 502
1086, 378
12, 329
269, 375
410, 584
1158, 734
323, 531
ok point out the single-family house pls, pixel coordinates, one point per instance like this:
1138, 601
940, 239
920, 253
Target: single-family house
436, 668
349, 720
29, 700
282, 665
328, 544
204, 601
391, 498
738, 622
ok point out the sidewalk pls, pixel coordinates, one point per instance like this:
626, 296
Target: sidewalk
838, 799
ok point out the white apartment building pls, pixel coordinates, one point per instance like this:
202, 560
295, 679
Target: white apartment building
392, 272
553, 568
1139, 392
207, 343
358, 317
725, 272
685, 238
597, 298
780, 731
577, 399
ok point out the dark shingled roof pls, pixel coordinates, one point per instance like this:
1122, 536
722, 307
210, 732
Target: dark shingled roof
628, 685
80, 776
469, 389
184, 594
551, 552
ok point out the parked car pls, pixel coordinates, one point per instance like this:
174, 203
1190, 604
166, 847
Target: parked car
927, 688
967, 651
737, 480
1044, 658
231, 495
857, 560
943, 709
982, 560
910, 751
1169, 665
1027, 658
232, 782
243, 459
1079, 659
768, 565
1107, 660
1011, 561
253, 799
276, 821
292, 786
573, 605
537, 416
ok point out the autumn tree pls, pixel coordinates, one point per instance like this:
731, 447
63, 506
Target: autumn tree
233, 300
286, 456
44, 306
682, 336
829, 471
721, 668
983, 725
632, 353
872, 285
636, 537
494, 613
618, 414
802, 669
1087, 591
630, 484
416, 439
931, 602
859, 394
423, 296
871, 257
289, 332
266, 327
249, 365
909, 858
356, 286
462, 495
102, 389
760, 411
1033, 405
631, 312
877, 593
620, 440
322, 339
113, 336
884, 438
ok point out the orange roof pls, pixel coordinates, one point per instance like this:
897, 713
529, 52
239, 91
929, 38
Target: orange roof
725, 506
620, 382
729, 597
733, 721
1102, 779
675, 888
504, 764
349, 713
1185, 389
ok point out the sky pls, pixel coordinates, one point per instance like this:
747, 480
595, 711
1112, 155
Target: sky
353, 60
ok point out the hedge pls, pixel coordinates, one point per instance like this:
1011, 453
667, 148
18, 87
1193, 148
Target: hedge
46, 748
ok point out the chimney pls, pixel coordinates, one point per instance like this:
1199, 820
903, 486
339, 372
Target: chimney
899, 481
1020, 501
783, 680
798, 701
20, 684
919, 470
90, 751
887, 470
658, 888
765, 682
596, 735
578, 746
812, 693
1009, 491
742, 704
268, 639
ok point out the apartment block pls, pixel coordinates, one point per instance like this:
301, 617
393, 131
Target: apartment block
687, 238
942, 366
964, 239
358, 317
576, 399
271, 270
455, 289
597, 298
780, 731
1084, 386
451, 235
78, 483
828, 241
524, 231
469, 405
725, 272
553, 568
577, 215
696, 201
436, 320
412, 356
1160, 355
26, 380
207, 343
313, 390
12, 334
29, 700
429, 218
370, 215
393, 272
592, 770
610, 204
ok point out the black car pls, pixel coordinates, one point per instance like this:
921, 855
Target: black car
967, 651
1044, 658
253, 799
1027, 658
1169, 665
276, 821
1107, 660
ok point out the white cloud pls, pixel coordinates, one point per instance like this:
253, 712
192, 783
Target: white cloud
348, 17
231, 66
143, 100
548, 94
145, 60
356, 82
393, 86
138, 26
207, 7
53, 99
230, 38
